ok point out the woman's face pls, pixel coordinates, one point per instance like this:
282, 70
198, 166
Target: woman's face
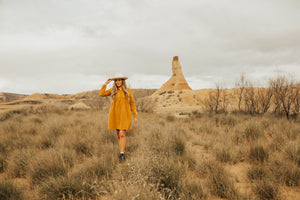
119, 82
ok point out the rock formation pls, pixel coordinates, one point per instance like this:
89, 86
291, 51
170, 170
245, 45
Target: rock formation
177, 80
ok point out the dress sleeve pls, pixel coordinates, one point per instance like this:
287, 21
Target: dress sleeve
132, 104
104, 92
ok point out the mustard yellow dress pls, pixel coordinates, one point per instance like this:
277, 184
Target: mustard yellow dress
120, 111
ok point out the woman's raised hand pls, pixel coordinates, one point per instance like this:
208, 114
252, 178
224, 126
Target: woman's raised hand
108, 81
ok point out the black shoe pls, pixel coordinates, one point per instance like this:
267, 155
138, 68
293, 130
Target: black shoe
122, 157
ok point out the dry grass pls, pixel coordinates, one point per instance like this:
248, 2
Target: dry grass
9, 190
54, 153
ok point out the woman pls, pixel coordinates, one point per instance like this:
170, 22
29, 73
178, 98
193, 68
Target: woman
120, 110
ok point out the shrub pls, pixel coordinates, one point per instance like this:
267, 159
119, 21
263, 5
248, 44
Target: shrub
9, 191
3, 163
223, 155
166, 174
179, 145
109, 137
228, 120
18, 164
97, 168
137, 191
83, 147
220, 183
196, 114
252, 131
266, 189
189, 158
218, 180
47, 164
194, 190
56, 130
45, 142
68, 157
291, 176
286, 172
37, 120
293, 153
256, 173
7, 115
2, 148
258, 154
65, 187
170, 118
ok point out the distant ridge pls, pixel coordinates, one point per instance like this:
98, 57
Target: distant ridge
6, 97
89, 98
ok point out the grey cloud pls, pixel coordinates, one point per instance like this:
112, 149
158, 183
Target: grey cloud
217, 39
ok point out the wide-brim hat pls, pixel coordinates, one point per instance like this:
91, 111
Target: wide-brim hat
119, 76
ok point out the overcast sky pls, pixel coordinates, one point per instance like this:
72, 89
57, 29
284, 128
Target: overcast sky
70, 46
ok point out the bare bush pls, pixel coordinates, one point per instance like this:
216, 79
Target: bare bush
286, 95
241, 84
256, 100
264, 96
217, 100
250, 99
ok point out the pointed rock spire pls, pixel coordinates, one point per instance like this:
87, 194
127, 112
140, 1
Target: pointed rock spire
177, 80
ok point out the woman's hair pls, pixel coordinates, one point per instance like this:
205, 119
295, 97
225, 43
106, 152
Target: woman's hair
114, 90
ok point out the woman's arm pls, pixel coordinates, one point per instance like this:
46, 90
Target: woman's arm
103, 91
132, 105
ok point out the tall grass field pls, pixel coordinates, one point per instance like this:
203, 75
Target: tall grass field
50, 152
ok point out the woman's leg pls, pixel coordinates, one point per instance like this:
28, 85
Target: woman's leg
122, 143
118, 135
